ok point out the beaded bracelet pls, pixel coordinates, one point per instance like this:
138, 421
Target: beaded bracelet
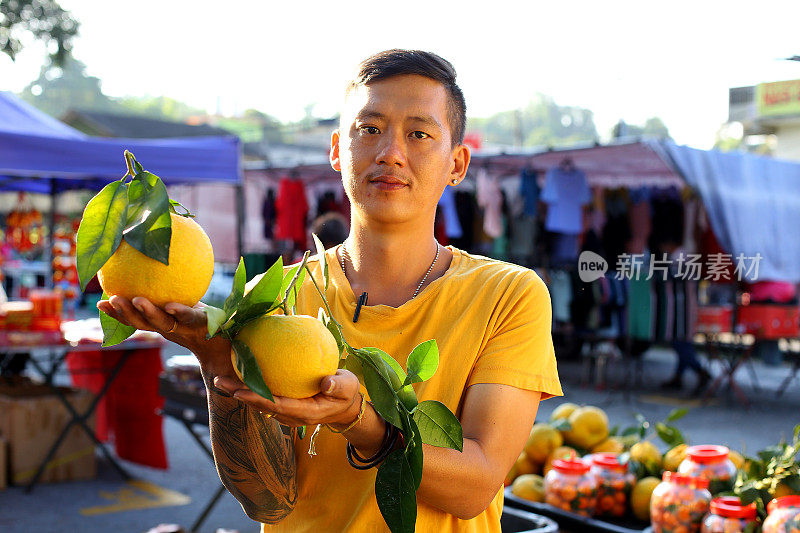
356, 421
389, 439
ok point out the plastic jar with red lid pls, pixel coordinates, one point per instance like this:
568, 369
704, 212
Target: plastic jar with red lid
728, 515
784, 515
571, 486
679, 503
613, 484
710, 462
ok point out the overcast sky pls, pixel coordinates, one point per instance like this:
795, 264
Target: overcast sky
630, 60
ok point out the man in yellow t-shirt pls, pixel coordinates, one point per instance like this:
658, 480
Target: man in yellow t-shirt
398, 145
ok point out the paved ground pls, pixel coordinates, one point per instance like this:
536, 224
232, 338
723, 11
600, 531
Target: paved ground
179, 494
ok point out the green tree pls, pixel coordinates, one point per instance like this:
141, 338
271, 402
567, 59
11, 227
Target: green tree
161, 107
653, 127
57, 90
540, 123
44, 19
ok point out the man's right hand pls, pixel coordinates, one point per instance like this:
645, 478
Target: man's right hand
178, 323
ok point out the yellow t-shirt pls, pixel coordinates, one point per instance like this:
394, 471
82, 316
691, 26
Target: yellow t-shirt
491, 321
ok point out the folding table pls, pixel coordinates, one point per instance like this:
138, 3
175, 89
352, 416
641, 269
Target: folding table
48, 359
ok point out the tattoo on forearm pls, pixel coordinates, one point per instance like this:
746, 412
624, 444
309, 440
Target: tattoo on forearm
254, 457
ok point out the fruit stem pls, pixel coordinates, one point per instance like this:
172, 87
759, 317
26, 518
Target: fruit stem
325, 303
294, 280
129, 164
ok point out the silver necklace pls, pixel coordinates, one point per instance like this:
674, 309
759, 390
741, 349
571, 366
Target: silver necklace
430, 268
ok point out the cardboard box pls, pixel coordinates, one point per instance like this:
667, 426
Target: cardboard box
31, 418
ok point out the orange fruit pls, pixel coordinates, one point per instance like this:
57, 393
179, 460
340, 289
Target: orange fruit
542, 441
293, 352
589, 427
130, 273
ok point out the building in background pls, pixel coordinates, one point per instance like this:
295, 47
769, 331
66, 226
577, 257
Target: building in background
769, 114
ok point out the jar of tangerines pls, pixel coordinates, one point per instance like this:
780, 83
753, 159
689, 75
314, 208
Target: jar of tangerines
728, 515
570, 486
613, 484
784, 515
679, 503
712, 463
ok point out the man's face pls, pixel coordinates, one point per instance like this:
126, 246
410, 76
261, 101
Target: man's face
394, 149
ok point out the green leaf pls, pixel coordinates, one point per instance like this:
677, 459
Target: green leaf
333, 327
321, 254
137, 167
381, 394
354, 365
114, 331
676, 414
413, 450
394, 490
149, 225
248, 368
237, 291
438, 426
263, 297
669, 434
174, 205
101, 229
397, 377
290, 297
216, 318
422, 362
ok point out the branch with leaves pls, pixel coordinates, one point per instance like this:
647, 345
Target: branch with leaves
762, 476
388, 385
137, 210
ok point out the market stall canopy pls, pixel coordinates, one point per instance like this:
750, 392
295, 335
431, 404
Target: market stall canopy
34, 145
753, 204
628, 164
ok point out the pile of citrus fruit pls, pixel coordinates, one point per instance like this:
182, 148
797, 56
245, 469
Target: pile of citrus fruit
583, 431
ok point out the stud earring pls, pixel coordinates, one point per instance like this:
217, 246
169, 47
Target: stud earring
454, 181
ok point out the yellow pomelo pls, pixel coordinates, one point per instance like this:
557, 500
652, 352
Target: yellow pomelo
562, 452
645, 452
525, 465
530, 487
674, 457
542, 441
640, 497
589, 427
610, 445
294, 353
563, 411
130, 273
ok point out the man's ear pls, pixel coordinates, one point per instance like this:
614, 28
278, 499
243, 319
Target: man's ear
333, 156
460, 157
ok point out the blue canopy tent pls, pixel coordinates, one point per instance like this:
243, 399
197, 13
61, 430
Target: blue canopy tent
39, 154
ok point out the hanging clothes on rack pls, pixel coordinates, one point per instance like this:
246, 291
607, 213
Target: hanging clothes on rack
292, 211
566, 191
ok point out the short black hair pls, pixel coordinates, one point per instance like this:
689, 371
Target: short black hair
397, 62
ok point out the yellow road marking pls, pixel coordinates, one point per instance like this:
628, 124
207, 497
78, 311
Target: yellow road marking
679, 402
138, 494
23, 476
